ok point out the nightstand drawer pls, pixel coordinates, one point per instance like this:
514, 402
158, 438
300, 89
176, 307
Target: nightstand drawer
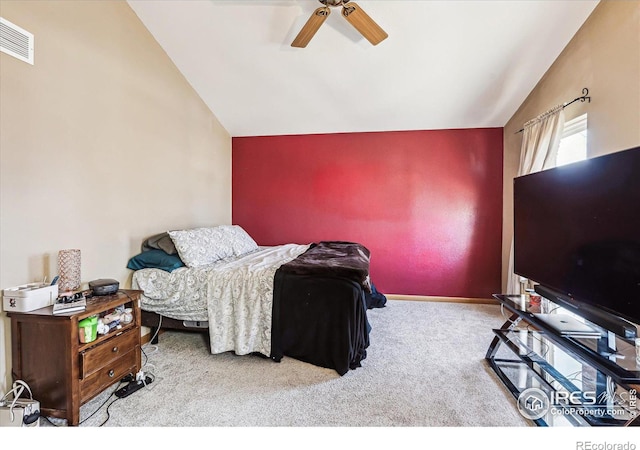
95, 358
107, 375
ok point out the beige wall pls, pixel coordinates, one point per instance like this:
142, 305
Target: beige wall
102, 143
603, 56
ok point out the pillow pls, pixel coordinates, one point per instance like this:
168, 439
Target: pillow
239, 239
201, 246
155, 259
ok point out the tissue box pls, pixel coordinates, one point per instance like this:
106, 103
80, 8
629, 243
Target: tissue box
29, 297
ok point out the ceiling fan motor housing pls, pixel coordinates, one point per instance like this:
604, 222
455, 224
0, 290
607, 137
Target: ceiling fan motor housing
333, 2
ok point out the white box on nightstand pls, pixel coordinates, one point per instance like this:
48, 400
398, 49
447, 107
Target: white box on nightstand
29, 297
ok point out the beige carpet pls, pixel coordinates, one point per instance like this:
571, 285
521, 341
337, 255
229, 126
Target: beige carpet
425, 368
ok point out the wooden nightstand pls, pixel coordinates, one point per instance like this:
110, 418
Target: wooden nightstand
64, 373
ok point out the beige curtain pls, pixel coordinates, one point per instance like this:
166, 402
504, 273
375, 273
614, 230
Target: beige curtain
540, 141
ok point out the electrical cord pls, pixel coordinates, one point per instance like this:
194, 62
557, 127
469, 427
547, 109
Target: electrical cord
544, 347
103, 403
508, 319
107, 411
503, 314
49, 420
146, 358
553, 309
157, 329
147, 364
144, 381
154, 347
94, 412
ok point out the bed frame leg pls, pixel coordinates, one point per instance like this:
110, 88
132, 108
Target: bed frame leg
155, 331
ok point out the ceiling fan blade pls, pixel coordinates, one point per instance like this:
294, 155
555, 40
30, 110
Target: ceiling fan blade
311, 27
363, 23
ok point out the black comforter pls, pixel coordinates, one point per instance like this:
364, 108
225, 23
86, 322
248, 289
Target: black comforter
320, 306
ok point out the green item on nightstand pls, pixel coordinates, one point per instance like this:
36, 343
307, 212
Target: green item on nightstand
88, 329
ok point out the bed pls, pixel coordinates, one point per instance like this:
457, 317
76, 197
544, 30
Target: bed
307, 302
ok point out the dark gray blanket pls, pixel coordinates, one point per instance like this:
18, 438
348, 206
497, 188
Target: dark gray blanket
160, 241
340, 259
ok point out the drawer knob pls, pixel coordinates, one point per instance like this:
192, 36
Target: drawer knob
114, 349
111, 373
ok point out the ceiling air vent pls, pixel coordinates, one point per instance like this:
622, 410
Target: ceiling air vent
15, 41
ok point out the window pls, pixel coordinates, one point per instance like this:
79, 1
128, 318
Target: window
572, 148
573, 144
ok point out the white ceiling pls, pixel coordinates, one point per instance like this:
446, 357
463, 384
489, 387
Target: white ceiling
446, 64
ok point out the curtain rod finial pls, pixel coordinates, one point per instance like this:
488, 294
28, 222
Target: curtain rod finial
585, 95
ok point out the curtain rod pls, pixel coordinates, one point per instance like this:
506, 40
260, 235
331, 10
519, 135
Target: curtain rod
584, 97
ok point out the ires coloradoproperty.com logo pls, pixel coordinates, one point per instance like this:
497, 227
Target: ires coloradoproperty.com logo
534, 403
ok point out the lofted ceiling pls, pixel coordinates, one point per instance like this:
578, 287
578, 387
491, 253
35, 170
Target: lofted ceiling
446, 64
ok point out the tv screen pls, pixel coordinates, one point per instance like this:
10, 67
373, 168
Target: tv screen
577, 231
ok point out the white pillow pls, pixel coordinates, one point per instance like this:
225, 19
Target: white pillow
201, 246
239, 239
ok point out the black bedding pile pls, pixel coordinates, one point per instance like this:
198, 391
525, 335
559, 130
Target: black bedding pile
320, 306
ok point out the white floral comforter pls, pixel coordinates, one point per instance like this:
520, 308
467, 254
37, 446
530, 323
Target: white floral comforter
179, 295
236, 294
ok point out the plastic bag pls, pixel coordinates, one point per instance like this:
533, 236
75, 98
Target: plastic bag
19, 412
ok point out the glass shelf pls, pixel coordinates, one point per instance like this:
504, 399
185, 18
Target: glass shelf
583, 381
529, 360
609, 353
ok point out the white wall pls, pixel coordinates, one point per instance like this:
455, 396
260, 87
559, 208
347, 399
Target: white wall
102, 143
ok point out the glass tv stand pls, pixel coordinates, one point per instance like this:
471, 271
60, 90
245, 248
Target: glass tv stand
564, 380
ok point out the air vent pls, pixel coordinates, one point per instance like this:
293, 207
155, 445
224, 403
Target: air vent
15, 41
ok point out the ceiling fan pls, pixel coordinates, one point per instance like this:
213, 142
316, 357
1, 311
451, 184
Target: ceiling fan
350, 11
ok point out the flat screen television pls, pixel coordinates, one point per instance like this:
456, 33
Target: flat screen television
577, 234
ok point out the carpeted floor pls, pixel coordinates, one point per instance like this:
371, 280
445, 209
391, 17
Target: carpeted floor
425, 368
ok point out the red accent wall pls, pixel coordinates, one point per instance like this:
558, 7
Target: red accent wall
428, 204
